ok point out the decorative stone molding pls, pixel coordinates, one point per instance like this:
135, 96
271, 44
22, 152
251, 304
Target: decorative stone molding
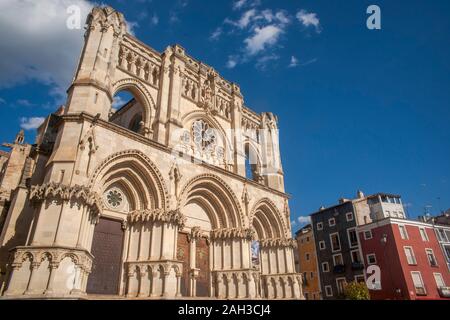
222, 184
172, 216
106, 17
39, 193
278, 242
152, 168
273, 208
195, 234
233, 233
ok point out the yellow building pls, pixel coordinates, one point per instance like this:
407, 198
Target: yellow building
307, 259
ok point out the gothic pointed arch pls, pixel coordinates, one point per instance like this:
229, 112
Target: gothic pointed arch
216, 198
268, 221
137, 174
142, 95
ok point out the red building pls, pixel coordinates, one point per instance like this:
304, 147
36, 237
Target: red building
410, 258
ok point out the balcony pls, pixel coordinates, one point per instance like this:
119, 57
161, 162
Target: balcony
444, 292
357, 266
339, 268
420, 291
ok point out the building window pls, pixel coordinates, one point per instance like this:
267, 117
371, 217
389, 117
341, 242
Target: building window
328, 291
439, 280
306, 296
355, 256
337, 260
410, 256
371, 258
403, 232
431, 257
349, 216
325, 267
368, 235
352, 237
332, 222
441, 235
423, 234
307, 256
418, 283
319, 226
311, 275
335, 242
322, 245
307, 239
340, 284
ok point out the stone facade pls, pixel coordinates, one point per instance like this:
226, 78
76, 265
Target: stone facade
157, 189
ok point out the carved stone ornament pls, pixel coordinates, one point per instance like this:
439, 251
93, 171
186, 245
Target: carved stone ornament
173, 216
63, 192
236, 233
278, 242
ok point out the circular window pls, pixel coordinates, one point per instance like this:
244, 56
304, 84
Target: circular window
114, 198
204, 136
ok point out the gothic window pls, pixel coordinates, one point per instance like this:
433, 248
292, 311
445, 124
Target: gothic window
204, 136
251, 169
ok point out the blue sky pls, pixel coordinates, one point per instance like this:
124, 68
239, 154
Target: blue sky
357, 108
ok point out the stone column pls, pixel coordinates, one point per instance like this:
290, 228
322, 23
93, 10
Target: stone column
178, 293
142, 287
31, 284
251, 292
165, 294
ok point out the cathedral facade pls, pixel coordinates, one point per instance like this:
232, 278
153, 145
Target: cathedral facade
177, 193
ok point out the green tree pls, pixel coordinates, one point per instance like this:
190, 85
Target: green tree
356, 291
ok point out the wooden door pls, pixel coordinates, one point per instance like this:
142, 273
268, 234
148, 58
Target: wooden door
107, 251
183, 256
202, 263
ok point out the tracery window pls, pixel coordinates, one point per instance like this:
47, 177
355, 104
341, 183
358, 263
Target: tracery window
204, 136
114, 198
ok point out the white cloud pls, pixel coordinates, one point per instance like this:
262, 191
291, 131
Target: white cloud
262, 38
31, 123
294, 62
216, 34
232, 62
245, 19
239, 4
309, 19
304, 220
36, 43
118, 102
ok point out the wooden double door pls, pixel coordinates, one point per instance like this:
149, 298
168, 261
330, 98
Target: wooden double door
107, 246
201, 263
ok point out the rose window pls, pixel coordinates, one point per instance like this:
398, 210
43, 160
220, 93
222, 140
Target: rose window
114, 198
204, 137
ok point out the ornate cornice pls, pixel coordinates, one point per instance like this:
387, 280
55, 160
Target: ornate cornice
39, 193
233, 233
152, 215
278, 242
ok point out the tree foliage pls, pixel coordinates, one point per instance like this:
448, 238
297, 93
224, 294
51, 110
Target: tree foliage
356, 291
